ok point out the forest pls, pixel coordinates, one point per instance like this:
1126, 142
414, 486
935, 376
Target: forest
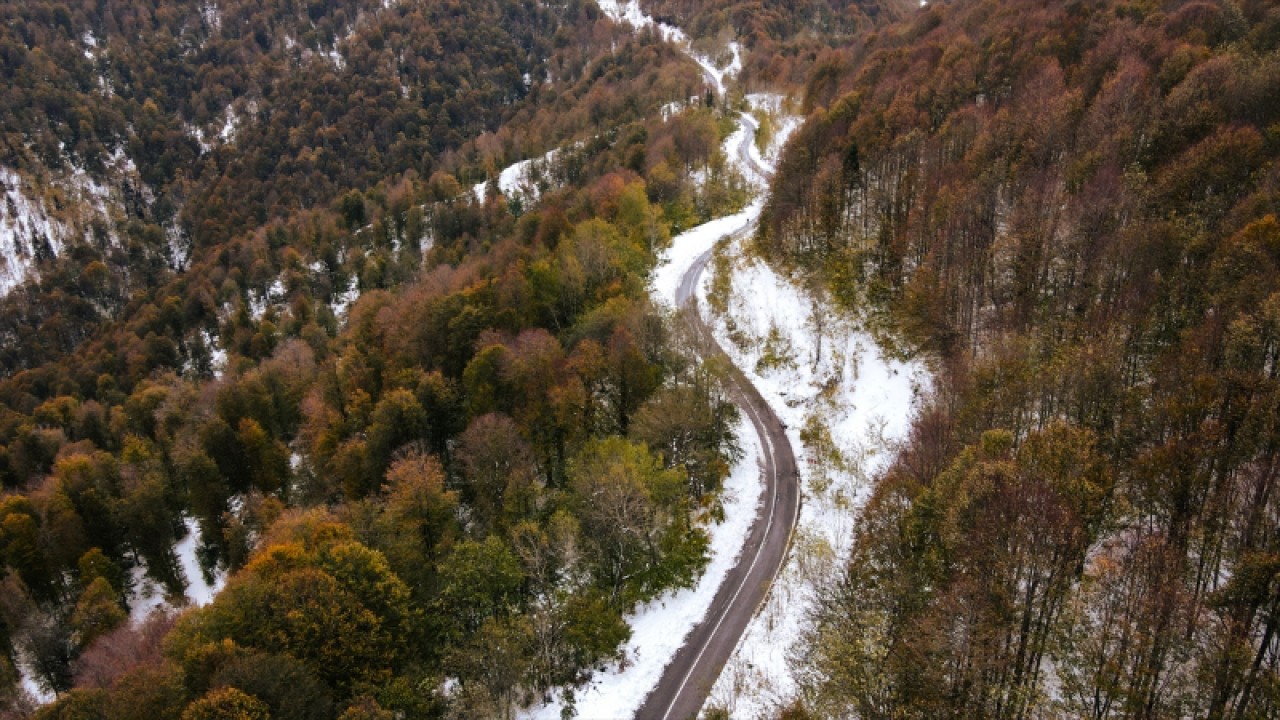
1072, 206
439, 443
416, 430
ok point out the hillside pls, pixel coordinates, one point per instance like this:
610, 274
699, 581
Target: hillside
1072, 206
287, 357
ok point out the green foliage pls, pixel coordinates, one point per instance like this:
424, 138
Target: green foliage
97, 612
227, 704
478, 581
289, 689
632, 520
76, 705
356, 628
693, 430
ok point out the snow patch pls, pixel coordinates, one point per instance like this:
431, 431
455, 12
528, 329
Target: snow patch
343, 301
230, 124
217, 354
525, 179
27, 680
38, 221
689, 245
200, 590
676, 107
629, 12
211, 15
179, 247
28, 232
149, 595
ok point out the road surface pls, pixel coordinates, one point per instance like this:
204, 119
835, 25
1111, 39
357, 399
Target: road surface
687, 680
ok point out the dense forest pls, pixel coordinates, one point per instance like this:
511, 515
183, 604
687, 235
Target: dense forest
1073, 207
228, 120
439, 444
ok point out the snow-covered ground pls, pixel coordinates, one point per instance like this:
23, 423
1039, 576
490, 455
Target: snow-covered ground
149, 596
343, 301
822, 373
523, 179
31, 229
200, 590
25, 225
27, 680
687, 246
659, 627
826, 373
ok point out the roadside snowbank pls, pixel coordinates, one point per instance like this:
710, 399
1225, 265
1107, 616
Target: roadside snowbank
825, 376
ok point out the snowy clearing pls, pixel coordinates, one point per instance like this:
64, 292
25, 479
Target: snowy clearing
525, 178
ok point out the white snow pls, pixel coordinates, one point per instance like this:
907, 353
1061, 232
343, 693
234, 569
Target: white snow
272, 296
659, 627
228, 131
149, 596
257, 305
217, 354
275, 292
628, 11
676, 107
735, 65
687, 246
831, 373
524, 178
199, 590
343, 301
211, 15
29, 222
28, 682
826, 373
179, 247
25, 223
785, 123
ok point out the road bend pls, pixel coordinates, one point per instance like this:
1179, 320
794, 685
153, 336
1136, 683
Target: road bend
687, 680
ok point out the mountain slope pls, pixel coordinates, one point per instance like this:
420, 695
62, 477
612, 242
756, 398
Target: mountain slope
1074, 206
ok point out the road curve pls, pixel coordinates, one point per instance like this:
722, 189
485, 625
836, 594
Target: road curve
687, 680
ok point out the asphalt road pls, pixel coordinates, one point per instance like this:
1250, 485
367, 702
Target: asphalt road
687, 680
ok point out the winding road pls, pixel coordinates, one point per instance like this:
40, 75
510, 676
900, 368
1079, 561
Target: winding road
687, 680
